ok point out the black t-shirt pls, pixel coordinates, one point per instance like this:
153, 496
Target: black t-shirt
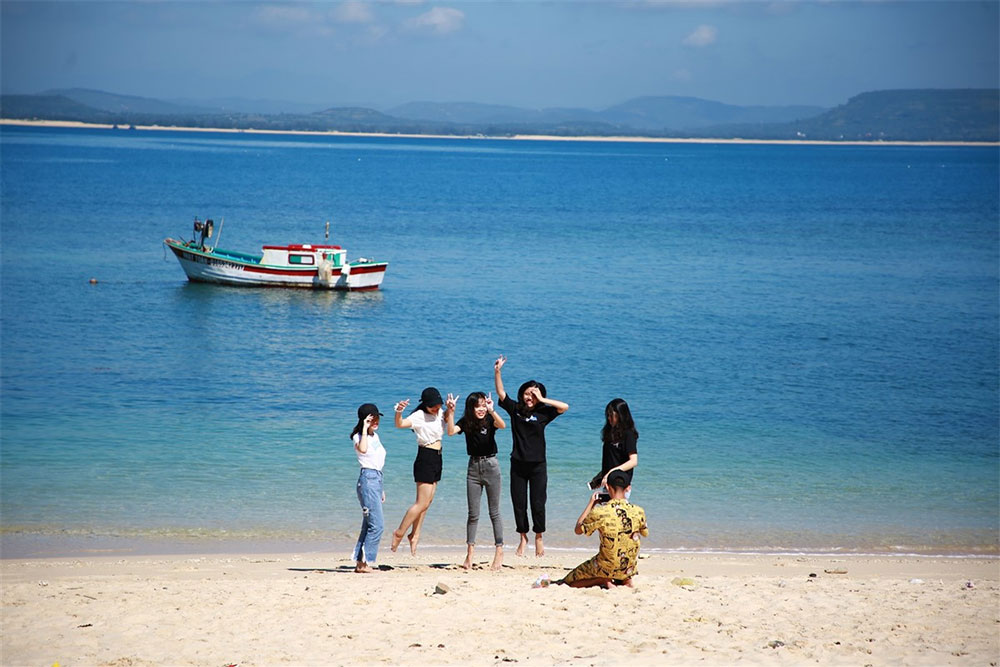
528, 431
480, 439
616, 453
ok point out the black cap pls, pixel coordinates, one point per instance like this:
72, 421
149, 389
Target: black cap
618, 479
368, 409
429, 397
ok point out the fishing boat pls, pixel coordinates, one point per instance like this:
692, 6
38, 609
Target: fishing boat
298, 265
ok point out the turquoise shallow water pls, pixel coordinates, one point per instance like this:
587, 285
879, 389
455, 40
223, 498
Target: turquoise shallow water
807, 335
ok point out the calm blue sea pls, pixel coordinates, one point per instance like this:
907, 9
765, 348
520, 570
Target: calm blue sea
807, 335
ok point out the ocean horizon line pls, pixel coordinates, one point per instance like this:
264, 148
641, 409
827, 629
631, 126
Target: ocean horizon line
516, 137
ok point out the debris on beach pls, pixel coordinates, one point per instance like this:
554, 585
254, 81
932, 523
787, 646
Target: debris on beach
542, 581
441, 589
684, 581
777, 643
835, 571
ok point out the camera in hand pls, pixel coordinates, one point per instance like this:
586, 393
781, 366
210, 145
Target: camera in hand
603, 497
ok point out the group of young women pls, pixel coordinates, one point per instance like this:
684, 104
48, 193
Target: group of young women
529, 415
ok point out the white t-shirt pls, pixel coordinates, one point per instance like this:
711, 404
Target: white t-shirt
375, 456
429, 428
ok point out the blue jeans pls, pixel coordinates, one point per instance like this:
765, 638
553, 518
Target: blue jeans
370, 497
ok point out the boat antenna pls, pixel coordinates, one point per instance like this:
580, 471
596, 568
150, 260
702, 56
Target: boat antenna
218, 236
328, 230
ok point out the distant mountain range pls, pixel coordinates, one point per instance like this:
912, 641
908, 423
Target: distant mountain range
642, 113
905, 115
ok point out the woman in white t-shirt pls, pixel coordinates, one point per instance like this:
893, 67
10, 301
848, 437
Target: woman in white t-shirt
371, 493
427, 422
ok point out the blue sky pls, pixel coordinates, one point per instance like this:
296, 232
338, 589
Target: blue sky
582, 53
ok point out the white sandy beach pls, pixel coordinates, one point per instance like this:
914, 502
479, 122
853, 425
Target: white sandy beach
311, 609
516, 137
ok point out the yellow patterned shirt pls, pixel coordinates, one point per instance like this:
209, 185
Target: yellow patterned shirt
620, 524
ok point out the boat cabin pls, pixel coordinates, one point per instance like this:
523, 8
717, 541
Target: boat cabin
303, 255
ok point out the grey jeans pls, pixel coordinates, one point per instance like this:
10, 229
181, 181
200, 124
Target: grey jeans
484, 472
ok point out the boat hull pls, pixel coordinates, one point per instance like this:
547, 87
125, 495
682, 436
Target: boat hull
220, 267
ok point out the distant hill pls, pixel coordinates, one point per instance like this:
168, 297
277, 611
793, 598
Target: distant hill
958, 115
688, 113
900, 115
642, 113
355, 115
472, 113
114, 103
244, 105
892, 115
48, 107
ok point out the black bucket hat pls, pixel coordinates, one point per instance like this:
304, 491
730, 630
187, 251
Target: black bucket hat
429, 397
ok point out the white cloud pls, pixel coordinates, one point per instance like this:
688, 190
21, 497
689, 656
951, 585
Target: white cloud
377, 31
438, 20
352, 12
703, 35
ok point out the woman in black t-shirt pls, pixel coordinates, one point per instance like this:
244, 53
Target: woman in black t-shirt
619, 437
479, 423
528, 473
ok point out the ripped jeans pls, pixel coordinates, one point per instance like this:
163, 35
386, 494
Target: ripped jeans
370, 497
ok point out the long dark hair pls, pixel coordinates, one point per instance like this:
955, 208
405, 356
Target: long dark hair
521, 407
615, 432
469, 419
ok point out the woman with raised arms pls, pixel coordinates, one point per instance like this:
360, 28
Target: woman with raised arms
528, 472
479, 423
427, 422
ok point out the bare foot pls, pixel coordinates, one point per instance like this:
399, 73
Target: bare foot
396, 539
497, 559
521, 545
628, 582
413, 543
363, 568
539, 547
468, 558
